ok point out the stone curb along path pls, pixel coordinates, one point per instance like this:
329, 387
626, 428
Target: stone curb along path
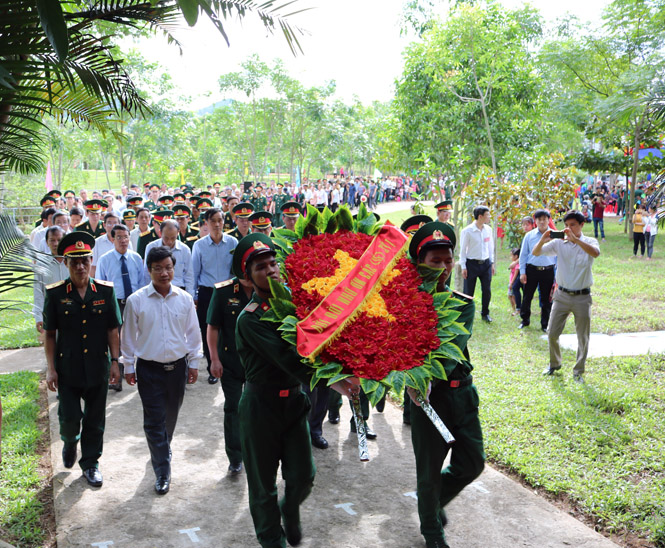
353, 505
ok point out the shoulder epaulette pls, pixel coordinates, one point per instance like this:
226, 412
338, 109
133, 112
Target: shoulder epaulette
145, 233
194, 228
80, 224
251, 307
191, 238
104, 282
229, 231
219, 285
464, 296
55, 284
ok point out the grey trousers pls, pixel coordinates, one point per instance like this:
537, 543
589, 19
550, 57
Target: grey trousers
562, 305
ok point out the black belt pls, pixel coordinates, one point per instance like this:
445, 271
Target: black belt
166, 366
549, 267
272, 391
586, 291
123, 302
457, 383
479, 261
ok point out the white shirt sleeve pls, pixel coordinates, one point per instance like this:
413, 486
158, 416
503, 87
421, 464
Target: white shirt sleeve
551, 248
193, 337
129, 330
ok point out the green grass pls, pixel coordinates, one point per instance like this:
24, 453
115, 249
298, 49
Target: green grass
20, 482
17, 327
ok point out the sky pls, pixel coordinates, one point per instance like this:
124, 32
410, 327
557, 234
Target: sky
357, 43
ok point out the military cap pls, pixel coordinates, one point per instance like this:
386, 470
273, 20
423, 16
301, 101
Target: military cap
260, 219
204, 203
291, 209
166, 200
146, 185
47, 201
133, 200
280, 185
249, 247
105, 204
179, 197
95, 205
205, 194
430, 235
129, 214
243, 209
69, 193
155, 185
181, 210
76, 244
217, 184
162, 214
412, 224
446, 205
54, 193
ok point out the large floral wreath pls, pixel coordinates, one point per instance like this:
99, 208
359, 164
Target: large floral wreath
400, 334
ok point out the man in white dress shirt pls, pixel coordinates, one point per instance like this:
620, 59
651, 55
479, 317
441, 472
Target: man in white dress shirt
575, 255
163, 338
183, 274
104, 243
477, 258
57, 270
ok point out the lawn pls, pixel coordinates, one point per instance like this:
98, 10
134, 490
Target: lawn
17, 327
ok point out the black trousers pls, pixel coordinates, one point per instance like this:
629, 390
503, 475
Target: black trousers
638, 240
483, 272
205, 294
543, 280
161, 394
319, 399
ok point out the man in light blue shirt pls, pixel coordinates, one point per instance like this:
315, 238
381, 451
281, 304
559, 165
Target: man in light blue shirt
183, 273
211, 262
536, 272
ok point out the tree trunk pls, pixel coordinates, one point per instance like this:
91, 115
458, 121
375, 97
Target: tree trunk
633, 182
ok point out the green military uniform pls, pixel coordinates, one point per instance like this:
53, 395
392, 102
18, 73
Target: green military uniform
227, 302
273, 414
229, 223
82, 360
85, 227
190, 236
260, 203
144, 239
150, 205
247, 197
456, 403
236, 234
279, 199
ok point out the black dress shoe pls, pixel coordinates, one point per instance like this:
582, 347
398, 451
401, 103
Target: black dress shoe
162, 485
522, 325
212, 380
93, 476
487, 318
543, 329
293, 532
549, 371
333, 419
235, 468
69, 454
319, 441
371, 435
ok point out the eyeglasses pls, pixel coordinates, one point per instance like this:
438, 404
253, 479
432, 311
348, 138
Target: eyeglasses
159, 269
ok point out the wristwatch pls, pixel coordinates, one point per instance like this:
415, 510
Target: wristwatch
114, 359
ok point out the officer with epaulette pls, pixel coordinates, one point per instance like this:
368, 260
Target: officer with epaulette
135, 202
81, 320
154, 233
228, 300
186, 233
259, 201
70, 199
261, 221
202, 205
229, 221
93, 226
273, 409
455, 400
412, 224
46, 202
241, 213
444, 211
290, 213
279, 199
151, 204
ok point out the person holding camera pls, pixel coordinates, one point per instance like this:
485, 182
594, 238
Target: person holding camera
575, 254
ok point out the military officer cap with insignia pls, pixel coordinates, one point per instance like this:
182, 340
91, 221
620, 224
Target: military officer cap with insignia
188, 192
76, 244
155, 185
248, 248
446, 205
69, 193
128, 214
412, 224
430, 235
179, 197
243, 209
181, 210
217, 185
162, 214
260, 219
135, 200
54, 193
205, 194
204, 203
95, 205
291, 209
47, 201
166, 200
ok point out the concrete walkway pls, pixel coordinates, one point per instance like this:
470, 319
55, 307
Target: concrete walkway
353, 504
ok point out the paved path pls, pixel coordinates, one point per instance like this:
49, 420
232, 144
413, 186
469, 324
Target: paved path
353, 504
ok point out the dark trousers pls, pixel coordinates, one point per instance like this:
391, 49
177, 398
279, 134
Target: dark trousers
596, 224
543, 280
161, 394
205, 294
638, 240
482, 271
458, 409
274, 430
517, 292
87, 424
232, 384
319, 398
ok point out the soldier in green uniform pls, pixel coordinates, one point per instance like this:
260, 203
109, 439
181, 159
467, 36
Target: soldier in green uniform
186, 233
93, 226
70, 199
248, 195
202, 205
228, 300
129, 218
273, 409
151, 204
278, 200
179, 198
229, 221
81, 320
290, 213
241, 214
455, 401
259, 201
165, 202
261, 221
154, 233
444, 211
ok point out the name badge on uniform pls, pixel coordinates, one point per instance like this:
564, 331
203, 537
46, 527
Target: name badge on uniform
66, 301
99, 302
233, 300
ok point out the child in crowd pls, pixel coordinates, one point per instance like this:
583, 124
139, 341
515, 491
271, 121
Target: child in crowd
514, 285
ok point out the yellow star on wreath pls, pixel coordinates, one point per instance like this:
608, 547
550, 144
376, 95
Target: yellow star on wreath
375, 306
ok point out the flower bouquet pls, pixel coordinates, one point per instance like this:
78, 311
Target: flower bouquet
360, 307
